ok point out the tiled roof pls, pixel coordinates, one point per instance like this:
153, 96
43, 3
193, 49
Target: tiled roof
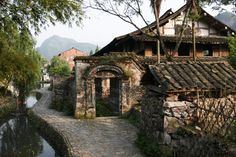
183, 59
185, 39
197, 75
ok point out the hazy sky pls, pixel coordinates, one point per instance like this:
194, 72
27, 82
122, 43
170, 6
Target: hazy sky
101, 28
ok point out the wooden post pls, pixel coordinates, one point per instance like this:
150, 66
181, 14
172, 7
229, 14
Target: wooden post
194, 40
158, 52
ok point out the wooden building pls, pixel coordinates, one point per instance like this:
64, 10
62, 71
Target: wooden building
211, 37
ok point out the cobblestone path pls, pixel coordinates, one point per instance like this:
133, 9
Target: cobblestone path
101, 137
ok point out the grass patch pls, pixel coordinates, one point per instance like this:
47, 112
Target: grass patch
103, 109
151, 148
231, 136
133, 117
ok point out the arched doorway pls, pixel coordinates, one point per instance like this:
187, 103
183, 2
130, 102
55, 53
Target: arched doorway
106, 90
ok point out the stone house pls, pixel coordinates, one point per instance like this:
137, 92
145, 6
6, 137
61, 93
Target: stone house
69, 56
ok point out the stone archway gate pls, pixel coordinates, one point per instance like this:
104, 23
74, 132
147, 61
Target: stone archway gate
86, 77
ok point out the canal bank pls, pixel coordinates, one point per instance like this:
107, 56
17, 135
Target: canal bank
18, 137
101, 137
50, 133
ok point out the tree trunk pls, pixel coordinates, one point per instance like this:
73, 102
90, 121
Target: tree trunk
183, 27
156, 8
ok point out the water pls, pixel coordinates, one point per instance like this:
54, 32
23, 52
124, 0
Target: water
18, 138
31, 100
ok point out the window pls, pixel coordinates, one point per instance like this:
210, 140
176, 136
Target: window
154, 50
207, 51
184, 50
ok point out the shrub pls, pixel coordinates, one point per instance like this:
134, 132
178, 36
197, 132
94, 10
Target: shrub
133, 116
151, 148
232, 54
59, 67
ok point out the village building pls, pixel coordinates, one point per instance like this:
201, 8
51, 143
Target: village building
69, 56
211, 37
124, 73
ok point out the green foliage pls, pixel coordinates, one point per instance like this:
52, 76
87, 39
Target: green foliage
231, 136
38, 96
57, 105
232, 47
63, 105
91, 52
97, 49
59, 67
151, 148
103, 109
134, 116
19, 62
7, 106
21, 14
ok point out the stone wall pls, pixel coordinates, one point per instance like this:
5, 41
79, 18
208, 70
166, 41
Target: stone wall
82, 108
52, 135
118, 82
152, 117
178, 114
185, 126
64, 93
211, 115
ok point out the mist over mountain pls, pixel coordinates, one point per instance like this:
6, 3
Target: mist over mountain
56, 44
227, 18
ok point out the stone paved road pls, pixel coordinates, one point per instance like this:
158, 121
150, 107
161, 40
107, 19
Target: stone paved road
101, 137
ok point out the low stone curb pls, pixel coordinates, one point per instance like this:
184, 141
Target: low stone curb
54, 136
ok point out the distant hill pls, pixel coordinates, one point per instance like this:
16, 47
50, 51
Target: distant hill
227, 18
56, 44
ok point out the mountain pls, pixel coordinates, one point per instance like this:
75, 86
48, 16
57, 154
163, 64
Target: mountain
56, 44
227, 18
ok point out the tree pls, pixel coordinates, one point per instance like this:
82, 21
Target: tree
19, 62
24, 14
59, 67
219, 3
232, 47
91, 52
97, 49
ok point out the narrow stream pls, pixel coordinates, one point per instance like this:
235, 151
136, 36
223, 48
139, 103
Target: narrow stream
18, 138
